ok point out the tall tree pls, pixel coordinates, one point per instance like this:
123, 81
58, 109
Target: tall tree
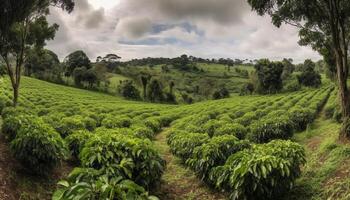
77, 59
23, 25
144, 81
322, 24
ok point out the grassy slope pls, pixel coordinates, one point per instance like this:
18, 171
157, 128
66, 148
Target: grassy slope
326, 174
188, 80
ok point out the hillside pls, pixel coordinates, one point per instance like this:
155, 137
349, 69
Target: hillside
184, 136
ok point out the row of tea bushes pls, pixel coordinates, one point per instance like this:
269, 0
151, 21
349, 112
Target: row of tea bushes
222, 144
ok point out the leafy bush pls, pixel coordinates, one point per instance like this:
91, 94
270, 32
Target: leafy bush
211, 126
125, 156
300, 118
38, 147
70, 124
153, 124
12, 124
214, 153
87, 183
266, 171
76, 141
116, 122
183, 143
270, 128
232, 129
143, 132
90, 124
4, 102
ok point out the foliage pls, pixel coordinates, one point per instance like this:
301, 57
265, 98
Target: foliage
87, 183
76, 141
125, 156
271, 128
234, 129
309, 77
38, 147
128, 90
265, 171
221, 93
269, 76
214, 153
77, 59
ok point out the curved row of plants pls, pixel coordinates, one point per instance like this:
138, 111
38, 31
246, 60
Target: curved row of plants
242, 147
111, 141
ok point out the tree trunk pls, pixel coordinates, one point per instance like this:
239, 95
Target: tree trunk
15, 95
343, 93
144, 91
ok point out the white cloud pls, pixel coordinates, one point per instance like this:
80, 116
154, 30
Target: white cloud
207, 28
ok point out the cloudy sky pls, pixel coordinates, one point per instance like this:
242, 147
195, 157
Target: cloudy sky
169, 28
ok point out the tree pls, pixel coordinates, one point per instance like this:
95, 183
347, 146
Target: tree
322, 25
155, 92
128, 90
309, 77
269, 76
171, 86
42, 63
221, 93
76, 59
23, 25
78, 75
144, 81
288, 68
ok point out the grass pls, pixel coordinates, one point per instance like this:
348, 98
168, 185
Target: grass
179, 182
326, 171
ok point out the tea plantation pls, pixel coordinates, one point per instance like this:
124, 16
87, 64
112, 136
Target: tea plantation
238, 146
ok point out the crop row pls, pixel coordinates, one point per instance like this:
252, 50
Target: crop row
223, 146
109, 138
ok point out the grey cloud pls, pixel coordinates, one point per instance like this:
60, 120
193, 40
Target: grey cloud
134, 27
85, 14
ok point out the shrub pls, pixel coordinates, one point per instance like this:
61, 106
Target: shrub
232, 129
125, 156
90, 124
38, 147
4, 102
300, 118
143, 132
153, 124
270, 128
266, 171
12, 124
211, 126
87, 183
116, 122
214, 153
70, 124
76, 141
183, 143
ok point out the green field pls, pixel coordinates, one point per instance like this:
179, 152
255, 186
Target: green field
168, 149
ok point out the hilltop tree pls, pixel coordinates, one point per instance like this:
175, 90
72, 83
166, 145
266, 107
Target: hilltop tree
309, 77
23, 25
322, 25
76, 59
269, 76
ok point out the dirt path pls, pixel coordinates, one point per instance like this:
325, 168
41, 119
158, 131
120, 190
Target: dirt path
178, 182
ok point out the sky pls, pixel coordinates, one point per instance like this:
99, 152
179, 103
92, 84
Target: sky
170, 28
